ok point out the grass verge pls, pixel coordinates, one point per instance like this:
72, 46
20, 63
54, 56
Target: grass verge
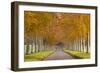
77, 54
37, 56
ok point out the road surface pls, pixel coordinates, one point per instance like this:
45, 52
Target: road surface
59, 55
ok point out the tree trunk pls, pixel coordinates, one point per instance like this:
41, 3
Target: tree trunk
35, 44
27, 49
37, 47
80, 44
33, 47
87, 44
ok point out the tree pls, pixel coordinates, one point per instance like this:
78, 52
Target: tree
44, 30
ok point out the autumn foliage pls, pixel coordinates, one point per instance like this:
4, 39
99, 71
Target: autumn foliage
46, 30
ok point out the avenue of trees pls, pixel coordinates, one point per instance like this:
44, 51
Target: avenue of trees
49, 30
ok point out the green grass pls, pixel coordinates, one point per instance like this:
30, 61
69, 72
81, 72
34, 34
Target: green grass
37, 56
82, 55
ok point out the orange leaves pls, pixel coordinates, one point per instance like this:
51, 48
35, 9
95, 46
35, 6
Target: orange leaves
56, 27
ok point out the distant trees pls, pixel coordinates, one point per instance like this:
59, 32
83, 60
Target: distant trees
43, 30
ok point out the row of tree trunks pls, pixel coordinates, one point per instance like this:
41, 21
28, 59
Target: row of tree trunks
80, 44
36, 46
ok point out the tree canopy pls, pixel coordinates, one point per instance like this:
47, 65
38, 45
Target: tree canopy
55, 27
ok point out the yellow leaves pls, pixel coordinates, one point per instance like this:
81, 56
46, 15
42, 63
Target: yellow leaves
57, 27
